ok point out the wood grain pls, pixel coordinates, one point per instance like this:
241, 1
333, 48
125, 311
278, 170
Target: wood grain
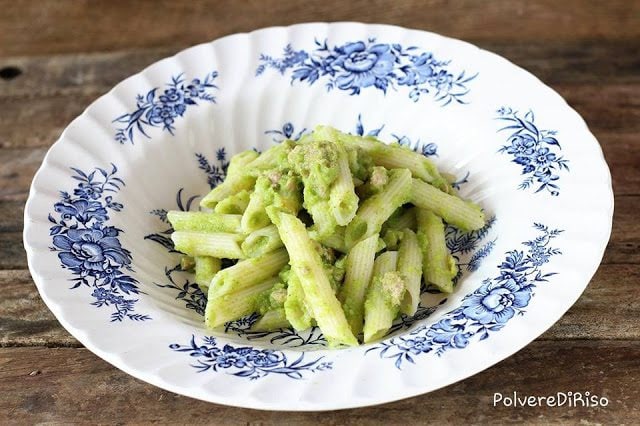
31, 27
552, 61
24, 318
42, 385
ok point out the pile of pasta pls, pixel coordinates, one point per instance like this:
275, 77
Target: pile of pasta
334, 230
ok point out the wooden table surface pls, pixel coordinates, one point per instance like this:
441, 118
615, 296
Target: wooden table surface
58, 56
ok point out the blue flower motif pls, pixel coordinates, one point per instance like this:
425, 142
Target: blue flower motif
264, 358
91, 190
286, 132
248, 362
172, 97
421, 71
496, 302
162, 114
448, 333
90, 248
101, 293
531, 148
539, 256
108, 200
82, 210
544, 157
417, 345
358, 65
195, 89
231, 357
443, 81
116, 299
522, 146
162, 111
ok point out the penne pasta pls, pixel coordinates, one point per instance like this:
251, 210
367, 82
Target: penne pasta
332, 230
410, 267
462, 214
204, 222
359, 270
221, 245
439, 266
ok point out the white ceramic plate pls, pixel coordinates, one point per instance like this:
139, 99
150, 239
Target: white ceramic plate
96, 231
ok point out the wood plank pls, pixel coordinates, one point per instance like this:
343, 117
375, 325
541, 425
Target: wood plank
615, 108
11, 216
43, 385
19, 165
624, 244
622, 152
34, 28
26, 321
24, 318
553, 62
592, 316
13, 254
38, 121
76, 74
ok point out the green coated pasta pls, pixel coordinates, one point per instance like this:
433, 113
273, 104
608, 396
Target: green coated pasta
206, 268
234, 204
248, 272
271, 321
359, 270
332, 230
261, 241
222, 308
384, 296
410, 260
221, 245
204, 222
462, 214
439, 266
307, 265
375, 210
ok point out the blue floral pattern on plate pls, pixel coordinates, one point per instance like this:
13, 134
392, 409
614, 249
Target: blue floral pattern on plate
162, 110
89, 247
486, 310
533, 149
248, 362
359, 65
